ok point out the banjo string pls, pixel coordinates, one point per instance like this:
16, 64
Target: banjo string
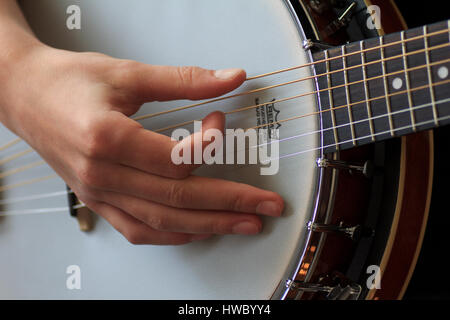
27, 182
358, 122
315, 92
22, 168
40, 211
358, 102
36, 180
368, 136
17, 140
35, 197
364, 65
78, 206
15, 156
65, 209
10, 144
27, 151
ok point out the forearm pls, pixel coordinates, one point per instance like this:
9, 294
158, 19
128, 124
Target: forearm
18, 43
16, 36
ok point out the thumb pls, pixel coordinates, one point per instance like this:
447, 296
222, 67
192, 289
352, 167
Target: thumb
163, 83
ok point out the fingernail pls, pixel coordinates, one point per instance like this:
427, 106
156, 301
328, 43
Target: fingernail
199, 237
227, 74
245, 228
270, 208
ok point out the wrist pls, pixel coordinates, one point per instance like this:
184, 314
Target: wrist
13, 52
17, 65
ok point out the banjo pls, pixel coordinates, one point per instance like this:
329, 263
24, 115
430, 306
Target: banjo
352, 109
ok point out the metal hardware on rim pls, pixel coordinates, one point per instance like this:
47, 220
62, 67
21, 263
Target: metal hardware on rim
342, 20
354, 233
338, 292
309, 44
366, 169
345, 17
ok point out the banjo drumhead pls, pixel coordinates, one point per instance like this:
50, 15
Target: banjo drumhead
257, 35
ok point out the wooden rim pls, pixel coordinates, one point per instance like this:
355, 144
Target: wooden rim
425, 217
392, 266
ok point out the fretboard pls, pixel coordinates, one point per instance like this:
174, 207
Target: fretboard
390, 86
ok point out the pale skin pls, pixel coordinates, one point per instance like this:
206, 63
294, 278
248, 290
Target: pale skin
74, 109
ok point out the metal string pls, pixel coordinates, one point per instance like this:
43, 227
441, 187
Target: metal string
349, 54
190, 106
32, 181
17, 140
9, 144
65, 209
313, 92
15, 156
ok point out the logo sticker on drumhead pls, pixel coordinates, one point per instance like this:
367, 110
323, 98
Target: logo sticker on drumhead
266, 119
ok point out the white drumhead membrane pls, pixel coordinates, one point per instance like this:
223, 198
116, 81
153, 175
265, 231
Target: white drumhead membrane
257, 35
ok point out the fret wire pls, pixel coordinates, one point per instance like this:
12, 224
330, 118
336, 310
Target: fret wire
448, 23
366, 90
386, 89
330, 97
430, 79
347, 95
408, 83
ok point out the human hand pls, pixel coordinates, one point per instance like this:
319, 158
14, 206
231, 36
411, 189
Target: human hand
74, 108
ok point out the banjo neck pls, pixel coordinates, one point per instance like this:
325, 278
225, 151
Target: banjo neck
384, 87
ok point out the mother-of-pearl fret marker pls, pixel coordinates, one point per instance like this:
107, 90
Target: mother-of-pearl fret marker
397, 83
443, 72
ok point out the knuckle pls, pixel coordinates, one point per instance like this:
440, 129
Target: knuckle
88, 174
186, 74
234, 202
220, 227
96, 138
125, 71
178, 196
157, 223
